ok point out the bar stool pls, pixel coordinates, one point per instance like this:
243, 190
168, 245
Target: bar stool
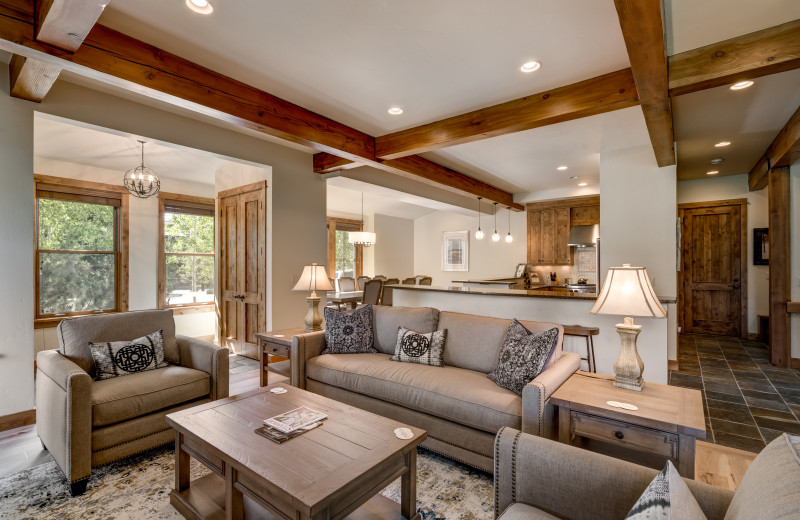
585, 332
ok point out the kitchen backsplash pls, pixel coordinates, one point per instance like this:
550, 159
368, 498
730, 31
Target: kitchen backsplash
585, 266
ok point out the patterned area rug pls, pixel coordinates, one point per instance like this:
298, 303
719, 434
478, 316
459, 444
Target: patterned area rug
139, 487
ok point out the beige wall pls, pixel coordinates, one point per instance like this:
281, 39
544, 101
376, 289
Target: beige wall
393, 252
298, 208
736, 187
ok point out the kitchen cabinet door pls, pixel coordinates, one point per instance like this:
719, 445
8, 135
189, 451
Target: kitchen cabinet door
548, 234
562, 252
534, 237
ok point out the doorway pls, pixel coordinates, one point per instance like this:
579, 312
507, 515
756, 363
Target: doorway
712, 282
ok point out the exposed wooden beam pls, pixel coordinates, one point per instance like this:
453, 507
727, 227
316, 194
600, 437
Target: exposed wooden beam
780, 269
594, 96
31, 79
65, 23
327, 163
783, 151
643, 31
772, 50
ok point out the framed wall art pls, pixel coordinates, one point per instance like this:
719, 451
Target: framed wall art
455, 251
761, 246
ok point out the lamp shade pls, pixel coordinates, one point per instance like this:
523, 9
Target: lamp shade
627, 292
361, 238
314, 278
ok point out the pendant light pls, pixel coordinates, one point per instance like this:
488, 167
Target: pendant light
509, 238
495, 235
361, 238
479, 232
141, 181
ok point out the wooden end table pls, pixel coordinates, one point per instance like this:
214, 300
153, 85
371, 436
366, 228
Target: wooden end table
275, 343
668, 421
334, 471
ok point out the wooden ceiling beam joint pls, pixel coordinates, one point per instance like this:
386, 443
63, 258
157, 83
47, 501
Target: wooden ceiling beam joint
66, 23
782, 152
31, 79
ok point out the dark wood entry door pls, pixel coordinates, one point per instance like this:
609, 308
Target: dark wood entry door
714, 268
242, 223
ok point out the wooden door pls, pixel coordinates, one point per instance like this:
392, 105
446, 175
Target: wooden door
714, 269
243, 307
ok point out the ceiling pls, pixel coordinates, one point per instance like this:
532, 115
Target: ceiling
73, 142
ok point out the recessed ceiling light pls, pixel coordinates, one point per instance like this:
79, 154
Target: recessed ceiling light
722, 143
530, 66
562, 168
712, 172
583, 184
742, 84
200, 6
395, 111
717, 160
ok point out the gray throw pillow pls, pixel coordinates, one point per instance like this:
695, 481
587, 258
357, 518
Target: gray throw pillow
523, 356
667, 497
349, 332
415, 347
121, 358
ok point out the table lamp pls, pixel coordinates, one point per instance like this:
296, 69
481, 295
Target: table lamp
314, 278
627, 292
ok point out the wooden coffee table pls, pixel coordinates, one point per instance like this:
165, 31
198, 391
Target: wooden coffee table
334, 471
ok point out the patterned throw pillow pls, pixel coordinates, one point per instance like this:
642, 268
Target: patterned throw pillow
425, 349
349, 332
666, 498
523, 356
120, 358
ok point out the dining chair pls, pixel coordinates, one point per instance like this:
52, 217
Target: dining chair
426, 280
347, 283
410, 281
379, 277
372, 292
386, 295
361, 282
391, 281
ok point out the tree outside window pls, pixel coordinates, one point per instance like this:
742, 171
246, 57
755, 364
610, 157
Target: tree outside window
189, 257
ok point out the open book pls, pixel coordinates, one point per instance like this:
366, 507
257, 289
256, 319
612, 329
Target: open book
295, 419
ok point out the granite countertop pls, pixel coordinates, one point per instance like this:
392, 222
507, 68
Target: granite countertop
488, 282
532, 293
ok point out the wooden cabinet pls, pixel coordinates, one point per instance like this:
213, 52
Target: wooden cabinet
549, 223
548, 234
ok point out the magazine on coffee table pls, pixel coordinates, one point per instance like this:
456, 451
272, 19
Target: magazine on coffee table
280, 437
294, 419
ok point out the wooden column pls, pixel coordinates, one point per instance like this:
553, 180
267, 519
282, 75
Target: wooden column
779, 266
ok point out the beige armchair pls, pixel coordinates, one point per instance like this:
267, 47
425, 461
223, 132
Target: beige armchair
85, 423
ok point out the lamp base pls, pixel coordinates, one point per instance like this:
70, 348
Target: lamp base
313, 319
628, 367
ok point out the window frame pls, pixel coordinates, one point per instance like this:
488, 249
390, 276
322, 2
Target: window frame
335, 224
187, 203
92, 192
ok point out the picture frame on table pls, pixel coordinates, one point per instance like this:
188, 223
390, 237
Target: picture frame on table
761, 246
520, 270
455, 251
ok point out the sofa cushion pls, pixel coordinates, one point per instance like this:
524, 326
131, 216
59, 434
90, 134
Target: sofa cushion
522, 356
122, 358
423, 349
667, 497
122, 398
459, 395
520, 511
388, 319
771, 486
474, 342
349, 332
75, 334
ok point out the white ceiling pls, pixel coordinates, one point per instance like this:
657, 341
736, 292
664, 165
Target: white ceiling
750, 119
60, 140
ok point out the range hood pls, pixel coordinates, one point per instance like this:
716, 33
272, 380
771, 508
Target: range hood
584, 236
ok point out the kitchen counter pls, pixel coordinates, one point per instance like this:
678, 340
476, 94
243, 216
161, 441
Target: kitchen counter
524, 293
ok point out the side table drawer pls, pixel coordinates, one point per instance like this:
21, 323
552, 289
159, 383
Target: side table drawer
624, 434
276, 350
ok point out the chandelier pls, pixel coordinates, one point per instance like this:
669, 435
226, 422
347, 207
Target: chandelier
141, 181
361, 238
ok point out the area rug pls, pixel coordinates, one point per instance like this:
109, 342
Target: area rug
139, 487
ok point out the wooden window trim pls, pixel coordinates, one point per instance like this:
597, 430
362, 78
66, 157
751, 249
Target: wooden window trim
335, 224
204, 205
92, 192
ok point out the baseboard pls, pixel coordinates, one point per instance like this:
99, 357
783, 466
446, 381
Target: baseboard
752, 336
672, 365
794, 363
16, 420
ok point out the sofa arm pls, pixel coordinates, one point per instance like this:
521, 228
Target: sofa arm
537, 413
210, 358
305, 347
570, 482
64, 413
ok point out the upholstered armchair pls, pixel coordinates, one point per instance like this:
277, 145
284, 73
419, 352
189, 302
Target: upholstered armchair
85, 423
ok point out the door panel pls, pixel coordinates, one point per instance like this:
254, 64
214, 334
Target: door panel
548, 237
712, 270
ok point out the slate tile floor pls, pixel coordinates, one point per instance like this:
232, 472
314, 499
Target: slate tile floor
747, 401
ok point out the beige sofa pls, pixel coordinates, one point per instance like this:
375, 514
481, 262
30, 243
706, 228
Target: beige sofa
84, 423
544, 480
459, 406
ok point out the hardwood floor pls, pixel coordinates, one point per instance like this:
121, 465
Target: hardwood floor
20, 448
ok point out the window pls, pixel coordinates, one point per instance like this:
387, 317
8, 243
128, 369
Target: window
344, 258
186, 251
79, 251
